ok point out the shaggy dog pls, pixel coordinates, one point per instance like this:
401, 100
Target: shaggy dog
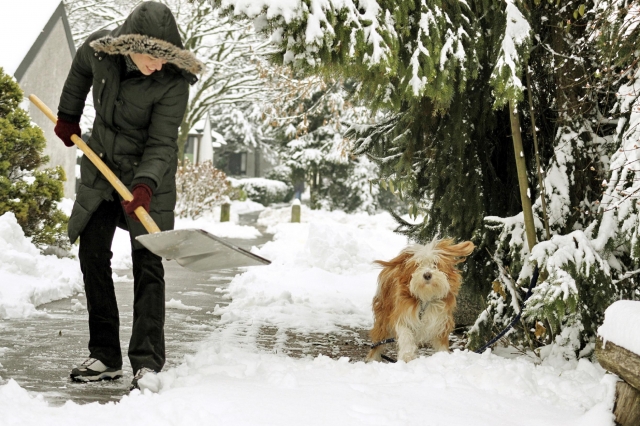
416, 297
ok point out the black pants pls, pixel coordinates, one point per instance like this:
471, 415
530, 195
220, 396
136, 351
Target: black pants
146, 347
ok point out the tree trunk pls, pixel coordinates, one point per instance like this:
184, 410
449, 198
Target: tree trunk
534, 132
523, 183
627, 407
620, 361
469, 305
626, 365
183, 134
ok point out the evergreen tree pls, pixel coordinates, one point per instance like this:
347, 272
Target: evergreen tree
313, 148
26, 189
451, 78
587, 262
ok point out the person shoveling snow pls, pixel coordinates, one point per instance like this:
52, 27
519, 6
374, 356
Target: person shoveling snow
140, 75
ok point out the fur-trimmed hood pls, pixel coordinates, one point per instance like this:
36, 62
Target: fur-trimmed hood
150, 29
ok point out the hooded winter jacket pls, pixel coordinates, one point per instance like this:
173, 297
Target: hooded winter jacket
137, 119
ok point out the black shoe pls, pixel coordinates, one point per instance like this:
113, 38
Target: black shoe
92, 370
138, 376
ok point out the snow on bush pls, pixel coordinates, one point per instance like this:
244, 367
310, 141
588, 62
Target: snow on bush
264, 191
574, 288
28, 278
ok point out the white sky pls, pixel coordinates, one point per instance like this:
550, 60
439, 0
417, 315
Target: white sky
21, 22
321, 279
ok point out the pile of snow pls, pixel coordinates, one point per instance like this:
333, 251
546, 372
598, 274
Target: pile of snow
28, 278
322, 273
620, 325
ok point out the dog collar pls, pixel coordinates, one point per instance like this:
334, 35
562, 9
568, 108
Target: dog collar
423, 307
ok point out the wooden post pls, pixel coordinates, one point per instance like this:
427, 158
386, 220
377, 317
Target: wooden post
521, 165
225, 212
295, 211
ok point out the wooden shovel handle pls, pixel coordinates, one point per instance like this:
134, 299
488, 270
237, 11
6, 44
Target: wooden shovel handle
142, 214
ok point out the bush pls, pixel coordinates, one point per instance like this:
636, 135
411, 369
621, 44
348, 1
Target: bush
283, 173
26, 189
200, 187
265, 191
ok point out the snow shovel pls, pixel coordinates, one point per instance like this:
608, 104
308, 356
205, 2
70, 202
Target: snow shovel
194, 249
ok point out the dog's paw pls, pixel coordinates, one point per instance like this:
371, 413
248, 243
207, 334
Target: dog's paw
407, 357
374, 356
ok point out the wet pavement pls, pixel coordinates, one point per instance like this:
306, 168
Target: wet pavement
39, 352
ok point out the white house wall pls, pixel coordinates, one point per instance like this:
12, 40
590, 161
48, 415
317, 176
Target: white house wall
45, 78
205, 147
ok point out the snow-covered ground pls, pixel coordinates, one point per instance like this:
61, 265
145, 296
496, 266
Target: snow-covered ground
321, 279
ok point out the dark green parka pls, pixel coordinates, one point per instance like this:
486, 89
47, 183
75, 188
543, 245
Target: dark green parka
137, 119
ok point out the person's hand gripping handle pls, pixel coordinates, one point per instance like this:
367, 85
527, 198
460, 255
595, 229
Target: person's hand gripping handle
142, 214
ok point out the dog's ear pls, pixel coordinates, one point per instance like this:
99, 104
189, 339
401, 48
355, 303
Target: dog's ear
460, 250
400, 260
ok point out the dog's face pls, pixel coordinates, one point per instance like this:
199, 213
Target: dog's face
428, 282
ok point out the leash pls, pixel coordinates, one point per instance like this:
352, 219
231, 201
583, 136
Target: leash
384, 342
423, 307
532, 284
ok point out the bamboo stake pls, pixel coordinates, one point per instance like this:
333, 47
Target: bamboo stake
521, 166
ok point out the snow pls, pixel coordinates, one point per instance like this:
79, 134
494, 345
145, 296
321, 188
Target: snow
28, 278
177, 304
620, 325
362, 17
517, 33
321, 279
21, 22
255, 184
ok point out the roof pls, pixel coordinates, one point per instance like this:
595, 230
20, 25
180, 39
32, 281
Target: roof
199, 128
24, 27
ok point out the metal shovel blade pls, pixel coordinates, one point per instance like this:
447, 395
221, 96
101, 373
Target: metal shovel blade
199, 250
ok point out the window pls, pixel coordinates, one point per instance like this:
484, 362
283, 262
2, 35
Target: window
190, 148
238, 163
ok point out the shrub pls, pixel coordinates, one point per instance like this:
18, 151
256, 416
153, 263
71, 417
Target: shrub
265, 191
200, 187
26, 189
283, 173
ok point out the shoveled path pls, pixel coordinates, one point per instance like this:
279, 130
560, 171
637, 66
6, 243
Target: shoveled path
39, 352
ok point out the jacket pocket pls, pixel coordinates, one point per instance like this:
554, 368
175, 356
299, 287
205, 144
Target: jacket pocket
128, 165
99, 85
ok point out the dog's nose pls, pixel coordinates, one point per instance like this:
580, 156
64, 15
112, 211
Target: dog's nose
427, 276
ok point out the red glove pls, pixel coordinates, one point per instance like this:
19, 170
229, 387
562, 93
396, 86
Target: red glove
141, 197
65, 129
